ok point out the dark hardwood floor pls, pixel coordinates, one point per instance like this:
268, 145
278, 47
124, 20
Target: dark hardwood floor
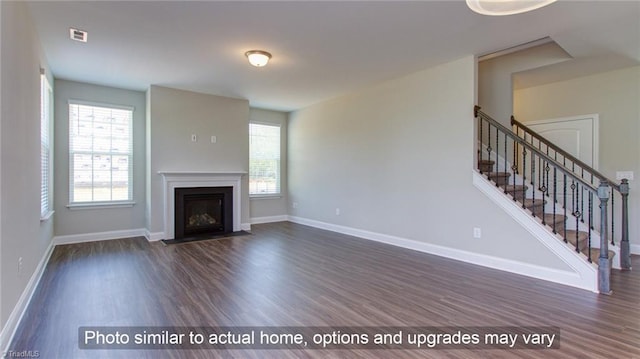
286, 274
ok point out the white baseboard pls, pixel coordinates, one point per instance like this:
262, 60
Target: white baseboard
152, 237
9, 330
269, 219
635, 248
99, 236
245, 227
554, 275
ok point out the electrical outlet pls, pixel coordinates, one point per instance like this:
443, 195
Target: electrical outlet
20, 266
214, 139
295, 204
477, 232
337, 211
194, 138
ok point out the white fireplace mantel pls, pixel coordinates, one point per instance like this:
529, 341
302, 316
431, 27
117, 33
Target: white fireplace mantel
188, 179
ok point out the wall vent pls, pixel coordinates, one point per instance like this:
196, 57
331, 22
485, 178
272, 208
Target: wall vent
78, 35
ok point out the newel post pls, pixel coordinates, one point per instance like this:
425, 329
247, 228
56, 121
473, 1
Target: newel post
604, 266
625, 252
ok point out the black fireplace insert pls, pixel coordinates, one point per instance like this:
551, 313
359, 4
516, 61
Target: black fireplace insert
203, 211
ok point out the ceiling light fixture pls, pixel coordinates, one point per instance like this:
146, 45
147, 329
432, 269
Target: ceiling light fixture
258, 58
506, 7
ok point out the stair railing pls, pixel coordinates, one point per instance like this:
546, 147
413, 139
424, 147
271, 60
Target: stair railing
586, 172
550, 182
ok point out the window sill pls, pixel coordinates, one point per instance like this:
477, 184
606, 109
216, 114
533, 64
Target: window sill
100, 205
46, 217
264, 196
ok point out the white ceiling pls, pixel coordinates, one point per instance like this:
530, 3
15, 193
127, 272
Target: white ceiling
321, 49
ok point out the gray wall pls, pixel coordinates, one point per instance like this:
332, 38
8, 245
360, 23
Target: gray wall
397, 159
94, 220
615, 97
173, 116
495, 77
21, 232
272, 206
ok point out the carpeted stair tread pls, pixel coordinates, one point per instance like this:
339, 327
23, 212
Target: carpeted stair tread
595, 253
501, 178
534, 206
485, 166
517, 188
550, 219
518, 192
583, 239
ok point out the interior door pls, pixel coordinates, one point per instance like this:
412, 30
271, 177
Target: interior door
577, 135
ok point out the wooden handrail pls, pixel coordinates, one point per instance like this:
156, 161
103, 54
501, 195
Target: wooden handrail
507, 132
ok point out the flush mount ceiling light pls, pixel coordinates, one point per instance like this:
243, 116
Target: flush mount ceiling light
258, 58
506, 7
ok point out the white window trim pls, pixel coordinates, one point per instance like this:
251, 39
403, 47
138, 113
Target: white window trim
266, 196
103, 204
97, 205
261, 196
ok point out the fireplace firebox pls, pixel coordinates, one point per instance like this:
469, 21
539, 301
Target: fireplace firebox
202, 211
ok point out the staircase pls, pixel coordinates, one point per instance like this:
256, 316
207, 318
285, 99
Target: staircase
576, 238
569, 198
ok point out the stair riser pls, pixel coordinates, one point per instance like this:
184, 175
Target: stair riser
485, 168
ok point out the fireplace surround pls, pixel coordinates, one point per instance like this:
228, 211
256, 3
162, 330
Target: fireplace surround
184, 179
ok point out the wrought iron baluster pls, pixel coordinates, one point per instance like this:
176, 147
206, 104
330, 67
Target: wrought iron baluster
545, 189
540, 172
613, 224
547, 169
533, 185
590, 226
505, 153
489, 149
564, 205
481, 125
582, 204
577, 214
524, 172
555, 195
514, 165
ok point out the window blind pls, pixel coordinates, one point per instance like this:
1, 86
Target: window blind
100, 153
264, 159
46, 97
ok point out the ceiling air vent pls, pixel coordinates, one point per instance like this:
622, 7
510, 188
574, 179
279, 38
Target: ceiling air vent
78, 35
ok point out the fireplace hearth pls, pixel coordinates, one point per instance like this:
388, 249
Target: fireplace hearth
203, 211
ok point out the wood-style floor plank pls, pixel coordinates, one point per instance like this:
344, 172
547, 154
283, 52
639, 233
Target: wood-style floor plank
286, 274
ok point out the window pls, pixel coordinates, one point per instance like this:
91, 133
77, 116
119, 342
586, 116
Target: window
264, 159
46, 163
100, 154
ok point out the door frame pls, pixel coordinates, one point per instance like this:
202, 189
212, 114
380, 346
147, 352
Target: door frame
595, 128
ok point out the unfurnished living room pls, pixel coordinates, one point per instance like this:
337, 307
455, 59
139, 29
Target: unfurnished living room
319, 179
